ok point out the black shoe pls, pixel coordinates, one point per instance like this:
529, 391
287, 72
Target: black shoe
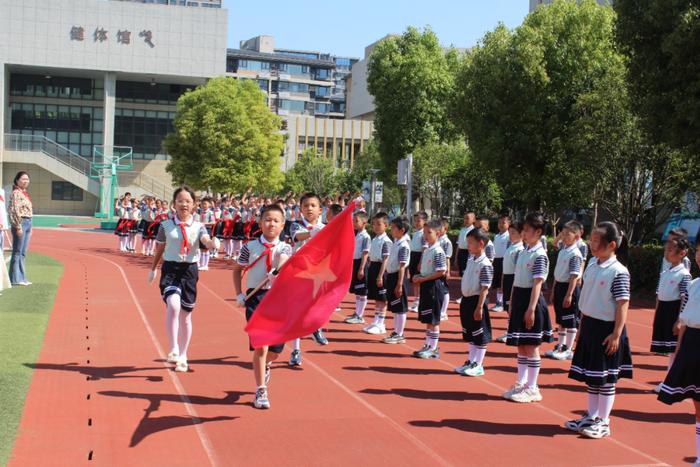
320, 338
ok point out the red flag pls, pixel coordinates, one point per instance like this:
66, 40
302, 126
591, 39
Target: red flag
309, 286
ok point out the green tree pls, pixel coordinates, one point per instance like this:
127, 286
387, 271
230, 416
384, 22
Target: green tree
312, 172
225, 139
662, 39
410, 79
516, 96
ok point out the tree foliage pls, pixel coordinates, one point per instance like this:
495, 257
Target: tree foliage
516, 97
662, 39
410, 79
225, 139
312, 172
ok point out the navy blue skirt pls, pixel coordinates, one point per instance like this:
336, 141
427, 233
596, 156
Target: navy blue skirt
662, 338
683, 379
540, 332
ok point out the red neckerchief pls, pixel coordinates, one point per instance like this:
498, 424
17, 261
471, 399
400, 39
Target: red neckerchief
267, 254
185, 245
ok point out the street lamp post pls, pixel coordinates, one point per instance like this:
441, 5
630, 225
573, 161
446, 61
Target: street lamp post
373, 189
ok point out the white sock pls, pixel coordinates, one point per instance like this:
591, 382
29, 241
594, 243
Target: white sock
172, 321
122, 243
132, 241
445, 304
472, 351
399, 323
479, 354
432, 338
360, 305
562, 338
379, 316
296, 344
236, 247
499, 297
522, 370
697, 441
593, 401
533, 371
570, 338
185, 333
605, 401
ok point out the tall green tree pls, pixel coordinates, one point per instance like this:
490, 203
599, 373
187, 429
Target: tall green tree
411, 80
516, 96
662, 39
226, 139
312, 172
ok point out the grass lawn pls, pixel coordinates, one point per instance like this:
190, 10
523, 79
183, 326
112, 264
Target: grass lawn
24, 312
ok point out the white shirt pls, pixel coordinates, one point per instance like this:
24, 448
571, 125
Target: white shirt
433, 260
362, 242
478, 274
380, 248
532, 264
417, 242
666, 265
303, 226
462, 237
3, 210
690, 314
170, 233
501, 242
252, 250
511, 257
569, 262
603, 286
446, 245
399, 255
673, 283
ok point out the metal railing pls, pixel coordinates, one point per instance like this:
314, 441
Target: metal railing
35, 143
146, 182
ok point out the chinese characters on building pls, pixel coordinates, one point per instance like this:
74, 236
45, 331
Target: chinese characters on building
77, 33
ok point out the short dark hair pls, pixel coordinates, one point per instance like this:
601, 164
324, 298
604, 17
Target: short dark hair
609, 232
179, 190
574, 226
678, 232
361, 215
535, 220
382, 216
400, 223
470, 212
421, 215
479, 235
335, 209
517, 225
309, 195
445, 223
504, 216
434, 224
270, 208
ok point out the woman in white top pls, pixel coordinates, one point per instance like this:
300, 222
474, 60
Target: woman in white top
4, 226
683, 379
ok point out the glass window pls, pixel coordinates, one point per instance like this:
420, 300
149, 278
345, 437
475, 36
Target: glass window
65, 191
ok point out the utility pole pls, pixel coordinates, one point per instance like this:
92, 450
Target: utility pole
373, 188
409, 186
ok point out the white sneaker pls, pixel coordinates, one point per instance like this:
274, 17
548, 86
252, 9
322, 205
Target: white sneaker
181, 366
550, 353
497, 308
527, 395
475, 370
657, 389
414, 307
203, 268
173, 357
459, 300
563, 355
375, 329
444, 317
516, 388
599, 429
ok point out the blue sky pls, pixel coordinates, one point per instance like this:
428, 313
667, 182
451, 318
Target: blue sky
345, 27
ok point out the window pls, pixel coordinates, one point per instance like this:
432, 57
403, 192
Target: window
321, 74
322, 91
143, 131
286, 86
55, 86
65, 191
150, 93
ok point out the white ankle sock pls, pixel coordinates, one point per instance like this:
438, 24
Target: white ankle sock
432, 338
606, 399
445, 304
593, 399
522, 370
570, 338
399, 323
296, 344
360, 305
479, 354
472, 351
533, 371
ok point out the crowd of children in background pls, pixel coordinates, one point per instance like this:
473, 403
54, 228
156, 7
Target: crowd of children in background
590, 296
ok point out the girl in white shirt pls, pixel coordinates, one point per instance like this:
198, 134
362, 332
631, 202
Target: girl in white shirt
683, 379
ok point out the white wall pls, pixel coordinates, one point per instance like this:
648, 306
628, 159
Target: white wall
187, 41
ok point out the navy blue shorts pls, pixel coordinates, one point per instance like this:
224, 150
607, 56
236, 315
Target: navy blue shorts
250, 305
181, 279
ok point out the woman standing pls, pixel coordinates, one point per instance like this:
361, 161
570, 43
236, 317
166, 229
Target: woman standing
4, 277
21, 226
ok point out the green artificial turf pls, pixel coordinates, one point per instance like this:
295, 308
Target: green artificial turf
24, 312
57, 221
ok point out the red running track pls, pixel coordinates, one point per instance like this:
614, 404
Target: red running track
101, 394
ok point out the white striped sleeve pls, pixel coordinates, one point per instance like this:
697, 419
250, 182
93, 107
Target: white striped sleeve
440, 261
490, 251
486, 275
684, 284
541, 267
386, 249
404, 254
244, 256
365, 243
620, 288
575, 265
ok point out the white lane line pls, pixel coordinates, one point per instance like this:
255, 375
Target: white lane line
196, 421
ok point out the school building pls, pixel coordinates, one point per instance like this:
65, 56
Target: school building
81, 79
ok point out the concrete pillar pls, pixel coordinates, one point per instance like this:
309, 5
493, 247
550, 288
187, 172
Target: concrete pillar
110, 82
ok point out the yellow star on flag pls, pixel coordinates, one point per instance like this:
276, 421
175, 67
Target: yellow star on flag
318, 273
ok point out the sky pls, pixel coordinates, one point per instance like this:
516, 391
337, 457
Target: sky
345, 27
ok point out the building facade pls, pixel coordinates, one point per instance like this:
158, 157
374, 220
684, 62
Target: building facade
79, 75
297, 82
